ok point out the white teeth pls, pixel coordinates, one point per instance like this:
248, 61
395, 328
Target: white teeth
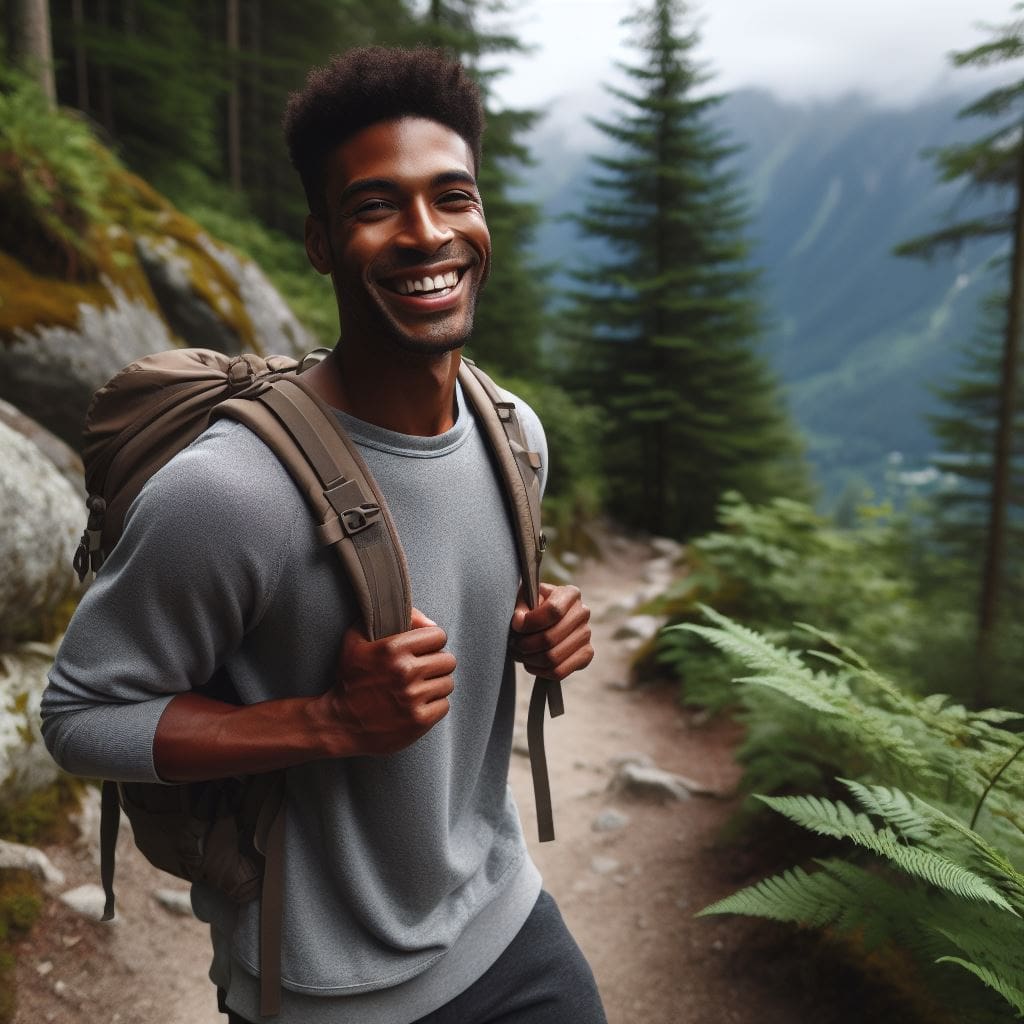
429, 284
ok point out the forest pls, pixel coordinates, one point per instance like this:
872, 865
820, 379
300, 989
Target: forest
868, 649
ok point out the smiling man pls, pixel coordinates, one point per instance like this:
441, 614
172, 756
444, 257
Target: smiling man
410, 895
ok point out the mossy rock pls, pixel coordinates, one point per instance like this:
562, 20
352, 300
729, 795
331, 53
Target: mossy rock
43, 518
25, 764
148, 279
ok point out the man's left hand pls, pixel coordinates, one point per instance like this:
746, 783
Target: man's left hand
553, 639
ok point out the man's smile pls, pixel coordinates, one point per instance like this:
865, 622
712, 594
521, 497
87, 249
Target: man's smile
425, 289
428, 284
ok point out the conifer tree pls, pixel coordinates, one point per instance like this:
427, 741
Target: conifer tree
965, 430
510, 319
994, 163
665, 320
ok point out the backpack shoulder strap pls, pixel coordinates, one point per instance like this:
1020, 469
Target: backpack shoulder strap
350, 512
518, 467
352, 517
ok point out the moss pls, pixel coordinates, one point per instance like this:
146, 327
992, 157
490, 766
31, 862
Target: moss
54, 623
20, 904
210, 281
42, 816
28, 299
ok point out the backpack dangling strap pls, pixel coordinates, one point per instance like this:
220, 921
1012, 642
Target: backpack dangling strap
110, 821
268, 839
518, 468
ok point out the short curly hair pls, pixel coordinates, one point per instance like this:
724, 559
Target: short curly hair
368, 84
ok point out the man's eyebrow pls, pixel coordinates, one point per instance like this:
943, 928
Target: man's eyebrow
455, 178
366, 185
387, 185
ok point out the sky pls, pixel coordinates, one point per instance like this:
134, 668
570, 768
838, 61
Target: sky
894, 51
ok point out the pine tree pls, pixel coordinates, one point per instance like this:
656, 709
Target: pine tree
965, 431
511, 315
993, 163
665, 321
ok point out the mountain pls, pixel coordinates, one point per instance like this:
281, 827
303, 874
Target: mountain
857, 336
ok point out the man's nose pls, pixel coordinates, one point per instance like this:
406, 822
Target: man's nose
424, 228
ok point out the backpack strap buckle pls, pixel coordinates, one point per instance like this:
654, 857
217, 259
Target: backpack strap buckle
359, 518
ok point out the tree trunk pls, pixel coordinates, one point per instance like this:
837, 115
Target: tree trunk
252, 107
995, 554
30, 45
234, 102
106, 85
81, 63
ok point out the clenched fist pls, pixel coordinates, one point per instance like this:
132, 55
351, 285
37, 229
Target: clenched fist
388, 692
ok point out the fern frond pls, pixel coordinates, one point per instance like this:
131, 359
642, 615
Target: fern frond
796, 896
990, 939
829, 818
745, 644
817, 814
895, 807
794, 689
853, 659
1010, 992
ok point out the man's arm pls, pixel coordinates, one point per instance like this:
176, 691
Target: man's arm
386, 695
193, 573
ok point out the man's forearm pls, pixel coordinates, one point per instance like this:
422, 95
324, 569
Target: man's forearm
199, 738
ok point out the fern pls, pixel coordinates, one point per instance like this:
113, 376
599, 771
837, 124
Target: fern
817, 899
895, 807
1010, 992
838, 821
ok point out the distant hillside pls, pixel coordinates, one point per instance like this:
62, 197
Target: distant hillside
858, 336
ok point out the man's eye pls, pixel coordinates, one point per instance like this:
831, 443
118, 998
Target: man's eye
372, 207
455, 197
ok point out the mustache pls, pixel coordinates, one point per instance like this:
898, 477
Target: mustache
454, 250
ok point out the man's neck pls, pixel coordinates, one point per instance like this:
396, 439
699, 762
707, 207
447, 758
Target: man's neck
397, 390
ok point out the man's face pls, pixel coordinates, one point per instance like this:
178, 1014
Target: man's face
405, 240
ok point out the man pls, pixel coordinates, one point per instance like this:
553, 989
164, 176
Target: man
410, 894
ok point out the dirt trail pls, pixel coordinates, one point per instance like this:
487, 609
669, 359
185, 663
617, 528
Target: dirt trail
629, 894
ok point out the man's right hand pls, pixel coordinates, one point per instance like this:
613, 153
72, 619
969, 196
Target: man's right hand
386, 695
388, 692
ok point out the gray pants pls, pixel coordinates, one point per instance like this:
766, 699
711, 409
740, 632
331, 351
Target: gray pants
542, 978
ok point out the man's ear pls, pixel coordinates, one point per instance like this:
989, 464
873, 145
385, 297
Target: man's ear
318, 248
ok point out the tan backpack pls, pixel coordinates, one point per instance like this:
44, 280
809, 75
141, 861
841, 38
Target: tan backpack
229, 833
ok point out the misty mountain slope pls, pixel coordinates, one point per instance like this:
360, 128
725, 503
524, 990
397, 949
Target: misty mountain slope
858, 336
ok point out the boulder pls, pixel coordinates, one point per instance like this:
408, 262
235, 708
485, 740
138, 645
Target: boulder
168, 273
42, 517
63, 456
25, 763
153, 280
275, 328
50, 371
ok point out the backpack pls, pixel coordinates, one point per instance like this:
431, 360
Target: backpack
229, 833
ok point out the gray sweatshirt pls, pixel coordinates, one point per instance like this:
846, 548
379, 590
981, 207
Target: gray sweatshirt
406, 876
